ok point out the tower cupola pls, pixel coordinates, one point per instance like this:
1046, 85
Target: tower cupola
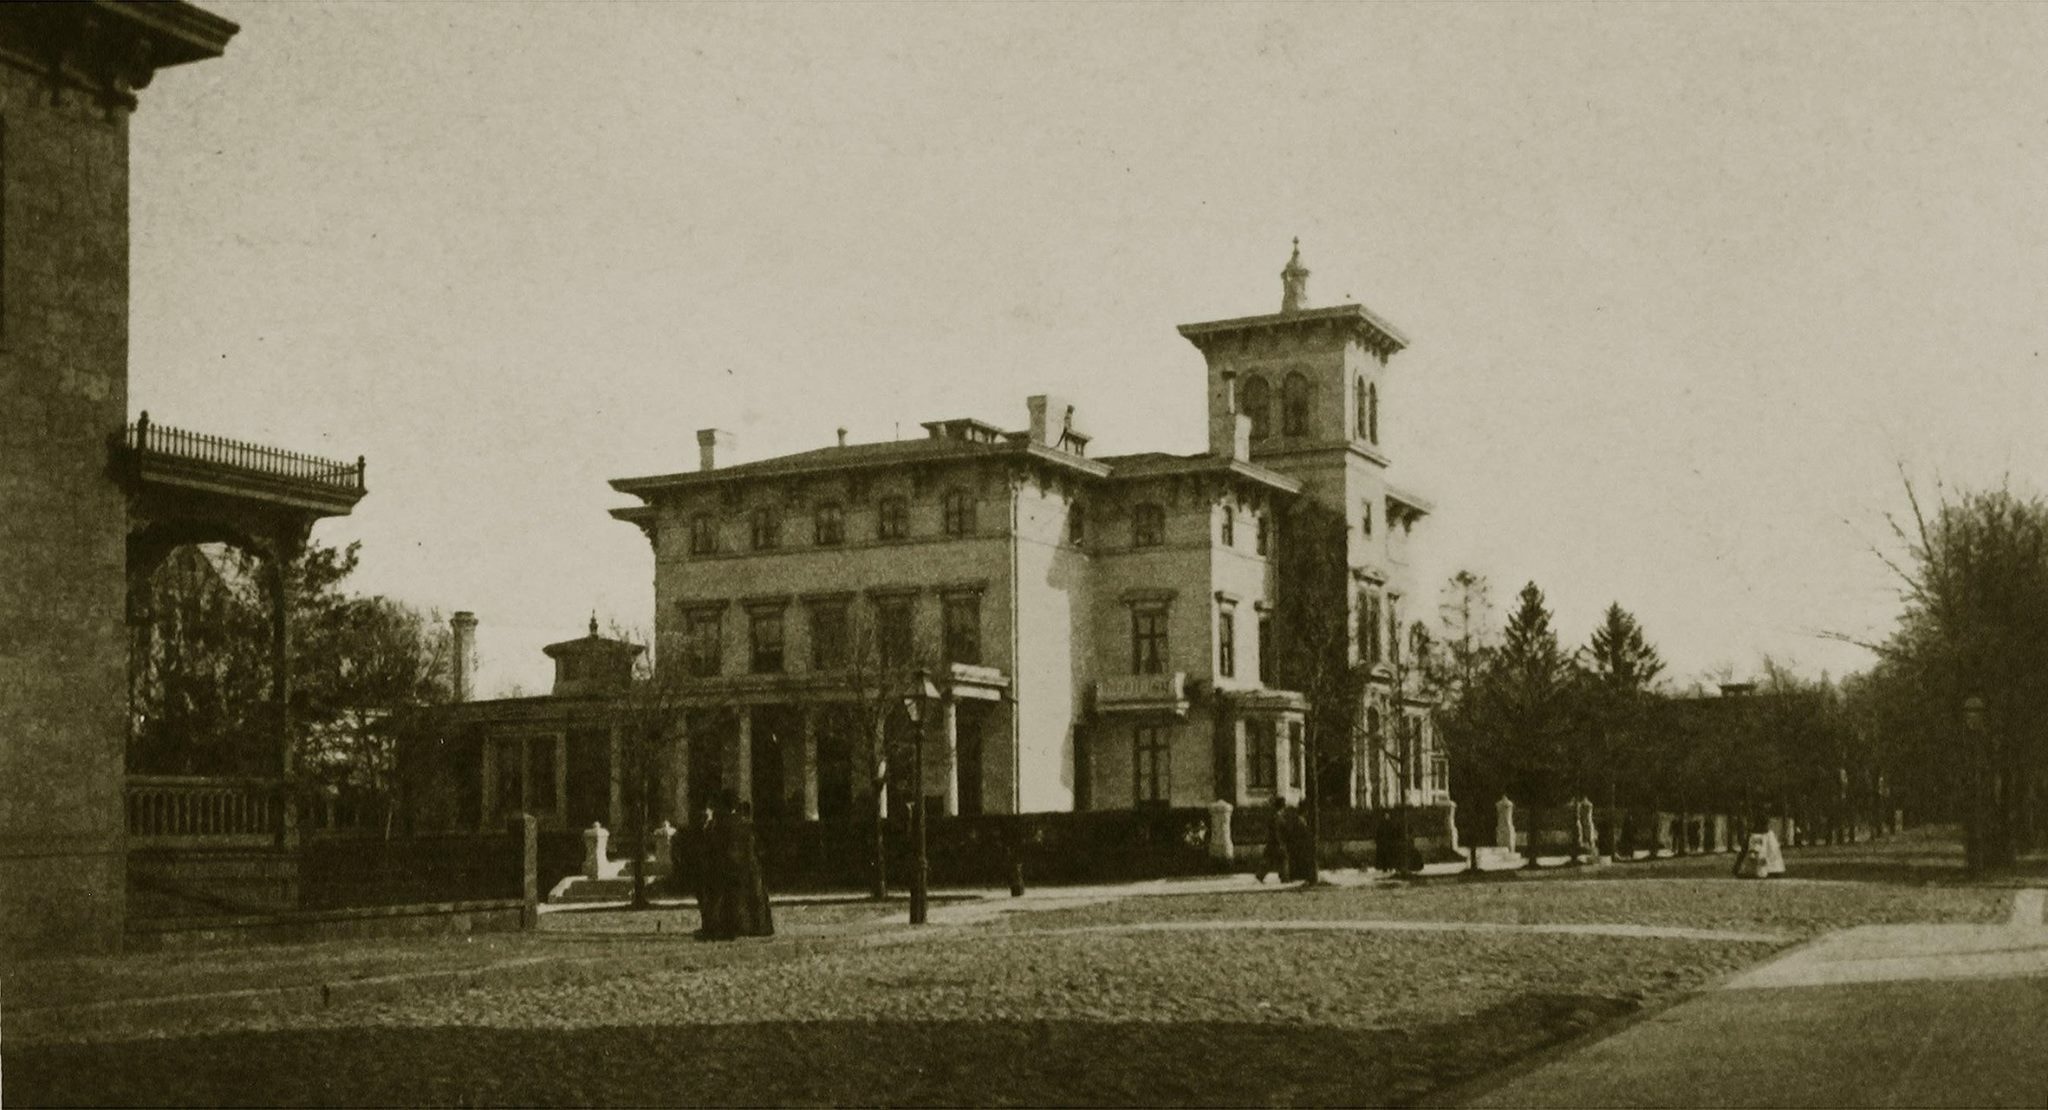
1294, 283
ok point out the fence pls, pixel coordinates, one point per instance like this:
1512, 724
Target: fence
147, 439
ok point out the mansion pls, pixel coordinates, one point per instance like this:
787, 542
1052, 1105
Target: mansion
1101, 629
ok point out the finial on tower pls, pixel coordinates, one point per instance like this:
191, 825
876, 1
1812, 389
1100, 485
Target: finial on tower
593, 624
1294, 282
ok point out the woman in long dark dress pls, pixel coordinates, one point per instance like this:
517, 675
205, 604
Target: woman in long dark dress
711, 884
748, 886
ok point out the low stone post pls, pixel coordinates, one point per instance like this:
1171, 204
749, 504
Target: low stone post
1451, 823
1220, 847
1504, 825
595, 840
661, 843
1588, 830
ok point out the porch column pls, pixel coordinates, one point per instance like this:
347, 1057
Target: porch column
810, 731
278, 579
950, 717
743, 774
616, 761
1240, 795
679, 773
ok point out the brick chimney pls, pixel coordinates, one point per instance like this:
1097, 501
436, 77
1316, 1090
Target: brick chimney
714, 447
462, 626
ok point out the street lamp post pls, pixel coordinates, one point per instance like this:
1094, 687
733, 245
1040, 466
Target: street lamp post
917, 703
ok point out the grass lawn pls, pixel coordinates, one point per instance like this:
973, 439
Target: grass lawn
1034, 1008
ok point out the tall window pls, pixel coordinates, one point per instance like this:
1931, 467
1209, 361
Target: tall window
1148, 640
1297, 755
766, 529
1226, 643
1259, 755
1148, 525
701, 636
893, 633
963, 628
1152, 764
1372, 413
703, 535
1362, 418
1294, 405
1077, 523
830, 524
1265, 649
958, 507
1369, 626
1365, 518
767, 641
1263, 541
828, 635
1256, 400
892, 518
1394, 630
1229, 526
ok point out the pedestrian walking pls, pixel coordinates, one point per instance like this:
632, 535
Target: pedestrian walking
1277, 858
710, 879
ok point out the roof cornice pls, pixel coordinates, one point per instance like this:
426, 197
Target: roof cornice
1351, 318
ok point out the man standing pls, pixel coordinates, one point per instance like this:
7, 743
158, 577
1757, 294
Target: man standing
1277, 858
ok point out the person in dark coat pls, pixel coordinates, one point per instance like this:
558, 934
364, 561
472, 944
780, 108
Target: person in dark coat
1278, 856
1300, 844
710, 881
751, 914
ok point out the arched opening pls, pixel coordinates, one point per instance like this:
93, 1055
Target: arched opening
1294, 398
1256, 401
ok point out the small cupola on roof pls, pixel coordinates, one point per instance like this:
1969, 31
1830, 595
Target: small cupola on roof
1294, 283
592, 665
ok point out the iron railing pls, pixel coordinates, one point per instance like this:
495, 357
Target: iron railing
146, 439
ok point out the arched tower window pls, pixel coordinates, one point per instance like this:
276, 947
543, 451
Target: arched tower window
1294, 405
1256, 401
1361, 419
1372, 413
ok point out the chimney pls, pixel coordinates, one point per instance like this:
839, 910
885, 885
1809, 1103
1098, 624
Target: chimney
1230, 431
842, 435
463, 627
714, 446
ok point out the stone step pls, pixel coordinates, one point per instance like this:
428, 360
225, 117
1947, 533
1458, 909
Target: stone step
579, 888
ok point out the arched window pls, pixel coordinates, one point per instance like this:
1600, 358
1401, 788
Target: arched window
1148, 526
1372, 413
1256, 401
959, 512
1294, 405
1361, 420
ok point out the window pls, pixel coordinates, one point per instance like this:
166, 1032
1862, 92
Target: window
1297, 755
1226, 644
1365, 518
963, 628
1362, 418
1256, 400
701, 642
1259, 755
958, 505
766, 529
1372, 413
541, 784
1148, 641
1265, 649
1263, 541
1294, 405
830, 524
767, 635
1148, 525
703, 535
828, 635
1152, 762
1229, 526
1369, 626
1077, 523
892, 519
893, 641
1394, 631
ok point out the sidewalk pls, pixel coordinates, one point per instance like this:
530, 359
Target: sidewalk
1880, 1015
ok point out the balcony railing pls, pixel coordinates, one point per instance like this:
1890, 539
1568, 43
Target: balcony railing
200, 811
157, 441
1141, 693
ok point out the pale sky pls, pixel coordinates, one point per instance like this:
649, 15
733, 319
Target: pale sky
1685, 285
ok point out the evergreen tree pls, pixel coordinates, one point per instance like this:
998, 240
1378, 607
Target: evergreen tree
1621, 664
1530, 688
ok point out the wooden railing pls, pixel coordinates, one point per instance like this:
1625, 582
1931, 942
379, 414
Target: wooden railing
145, 439
173, 810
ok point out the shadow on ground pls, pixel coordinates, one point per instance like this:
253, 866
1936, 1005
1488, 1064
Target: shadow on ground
806, 1063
